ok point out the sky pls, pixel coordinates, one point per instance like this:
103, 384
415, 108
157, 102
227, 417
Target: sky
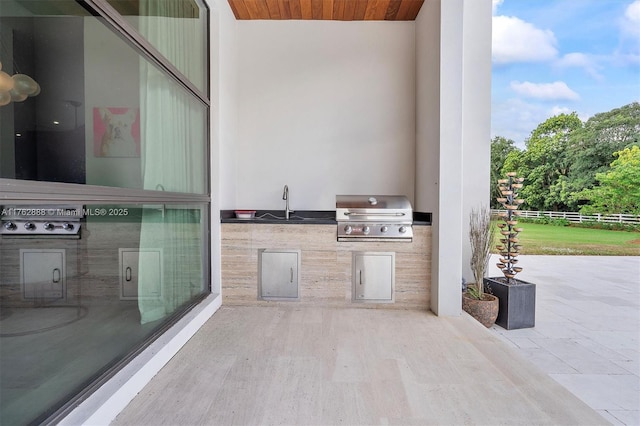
561, 56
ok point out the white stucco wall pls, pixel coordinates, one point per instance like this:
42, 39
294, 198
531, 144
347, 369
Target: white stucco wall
325, 107
226, 106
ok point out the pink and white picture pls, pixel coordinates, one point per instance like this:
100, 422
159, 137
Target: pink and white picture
116, 132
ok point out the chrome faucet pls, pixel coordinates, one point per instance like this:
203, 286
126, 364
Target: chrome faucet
285, 196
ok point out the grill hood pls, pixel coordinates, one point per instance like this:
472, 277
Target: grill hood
374, 217
366, 208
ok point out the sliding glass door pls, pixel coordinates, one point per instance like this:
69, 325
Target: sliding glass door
104, 194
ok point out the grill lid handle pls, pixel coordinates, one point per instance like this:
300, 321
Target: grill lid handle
374, 214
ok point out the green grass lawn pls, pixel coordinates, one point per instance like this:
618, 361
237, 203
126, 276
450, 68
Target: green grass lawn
567, 240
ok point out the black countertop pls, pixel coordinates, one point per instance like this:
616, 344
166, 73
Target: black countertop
303, 217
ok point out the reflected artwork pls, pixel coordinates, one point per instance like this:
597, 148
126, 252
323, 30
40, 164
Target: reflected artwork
116, 132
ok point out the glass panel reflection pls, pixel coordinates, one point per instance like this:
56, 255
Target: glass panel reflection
74, 302
102, 114
169, 26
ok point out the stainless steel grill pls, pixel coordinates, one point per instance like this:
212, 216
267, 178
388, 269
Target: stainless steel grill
374, 218
33, 220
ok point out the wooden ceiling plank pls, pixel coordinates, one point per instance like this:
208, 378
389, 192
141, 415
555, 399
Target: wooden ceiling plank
361, 8
285, 9
234, 8
392, 10
349, 10
252, 9
296, 12
263, 10
239, 9
247, 6
327, 9
372, 9
411, 10
338, 10
376, 10
343, 10
381, 9
316, 9
274, 9
416, 5
305, 9
403, 10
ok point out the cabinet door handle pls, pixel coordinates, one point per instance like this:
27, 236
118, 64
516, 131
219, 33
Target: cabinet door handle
360, 276
291, 275
56, 275
127, 273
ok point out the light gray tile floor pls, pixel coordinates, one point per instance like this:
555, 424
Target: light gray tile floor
289, 364
587, 332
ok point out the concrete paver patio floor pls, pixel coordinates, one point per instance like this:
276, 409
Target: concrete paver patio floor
587, 331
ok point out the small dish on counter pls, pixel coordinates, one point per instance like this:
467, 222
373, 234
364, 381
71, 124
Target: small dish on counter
245, 214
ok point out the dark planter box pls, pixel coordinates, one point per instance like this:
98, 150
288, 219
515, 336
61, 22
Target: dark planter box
517, 302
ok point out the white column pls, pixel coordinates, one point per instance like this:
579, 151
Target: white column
453, 60
476, 118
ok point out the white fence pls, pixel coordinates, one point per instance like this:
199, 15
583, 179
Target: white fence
579, 218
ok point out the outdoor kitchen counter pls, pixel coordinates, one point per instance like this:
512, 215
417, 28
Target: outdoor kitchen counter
326, 264
303, 217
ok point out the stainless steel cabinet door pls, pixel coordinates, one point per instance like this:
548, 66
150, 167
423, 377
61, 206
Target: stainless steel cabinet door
42, 274
373, 276
279, 274
133, 286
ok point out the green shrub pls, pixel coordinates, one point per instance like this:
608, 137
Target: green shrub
545, 220
615, 226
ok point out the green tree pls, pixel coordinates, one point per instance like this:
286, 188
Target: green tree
545, 163
619, 188
591, 147
500, 148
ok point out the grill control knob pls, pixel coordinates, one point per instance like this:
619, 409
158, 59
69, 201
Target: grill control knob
384, 229
49, 226
10, 226
29, 226
348, 229
67, 226
402, 229
366, 230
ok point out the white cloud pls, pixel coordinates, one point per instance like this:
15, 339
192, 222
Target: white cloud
581, 60
495, 4
628, 53
631, 19
557, 110
515, 119
625, 59
574, 60
515, 40
546, 91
